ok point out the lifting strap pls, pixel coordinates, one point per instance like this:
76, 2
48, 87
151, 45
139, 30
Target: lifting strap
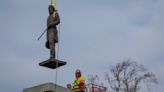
55, 4
51, 2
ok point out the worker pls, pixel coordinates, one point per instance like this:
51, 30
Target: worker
52, 35
69, 86
79, 83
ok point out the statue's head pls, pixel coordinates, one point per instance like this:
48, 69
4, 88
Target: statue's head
51, 9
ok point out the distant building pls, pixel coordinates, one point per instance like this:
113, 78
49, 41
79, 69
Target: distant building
47, 87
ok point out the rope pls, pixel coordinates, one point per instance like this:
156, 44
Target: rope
58, 45
57, 56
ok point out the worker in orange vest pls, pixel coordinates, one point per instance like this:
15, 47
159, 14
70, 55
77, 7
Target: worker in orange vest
79, 83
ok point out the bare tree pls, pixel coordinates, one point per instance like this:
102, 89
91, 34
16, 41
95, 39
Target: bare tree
127, 76
93, 78
95, 85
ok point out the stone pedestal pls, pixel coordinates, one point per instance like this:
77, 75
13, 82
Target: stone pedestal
47, 87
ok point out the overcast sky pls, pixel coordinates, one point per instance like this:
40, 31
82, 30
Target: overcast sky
94, 34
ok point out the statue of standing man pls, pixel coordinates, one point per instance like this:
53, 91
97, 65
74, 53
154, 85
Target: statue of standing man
52, 38
52, 33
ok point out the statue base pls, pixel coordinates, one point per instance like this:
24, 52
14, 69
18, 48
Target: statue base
52, 63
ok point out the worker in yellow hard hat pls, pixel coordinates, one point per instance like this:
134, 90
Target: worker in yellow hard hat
79, 83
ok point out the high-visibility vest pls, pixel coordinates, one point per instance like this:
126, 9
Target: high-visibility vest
77, 82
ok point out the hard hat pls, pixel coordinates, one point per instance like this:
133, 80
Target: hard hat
78, 71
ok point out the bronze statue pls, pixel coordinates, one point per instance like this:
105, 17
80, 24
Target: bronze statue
52, 38
52, 34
